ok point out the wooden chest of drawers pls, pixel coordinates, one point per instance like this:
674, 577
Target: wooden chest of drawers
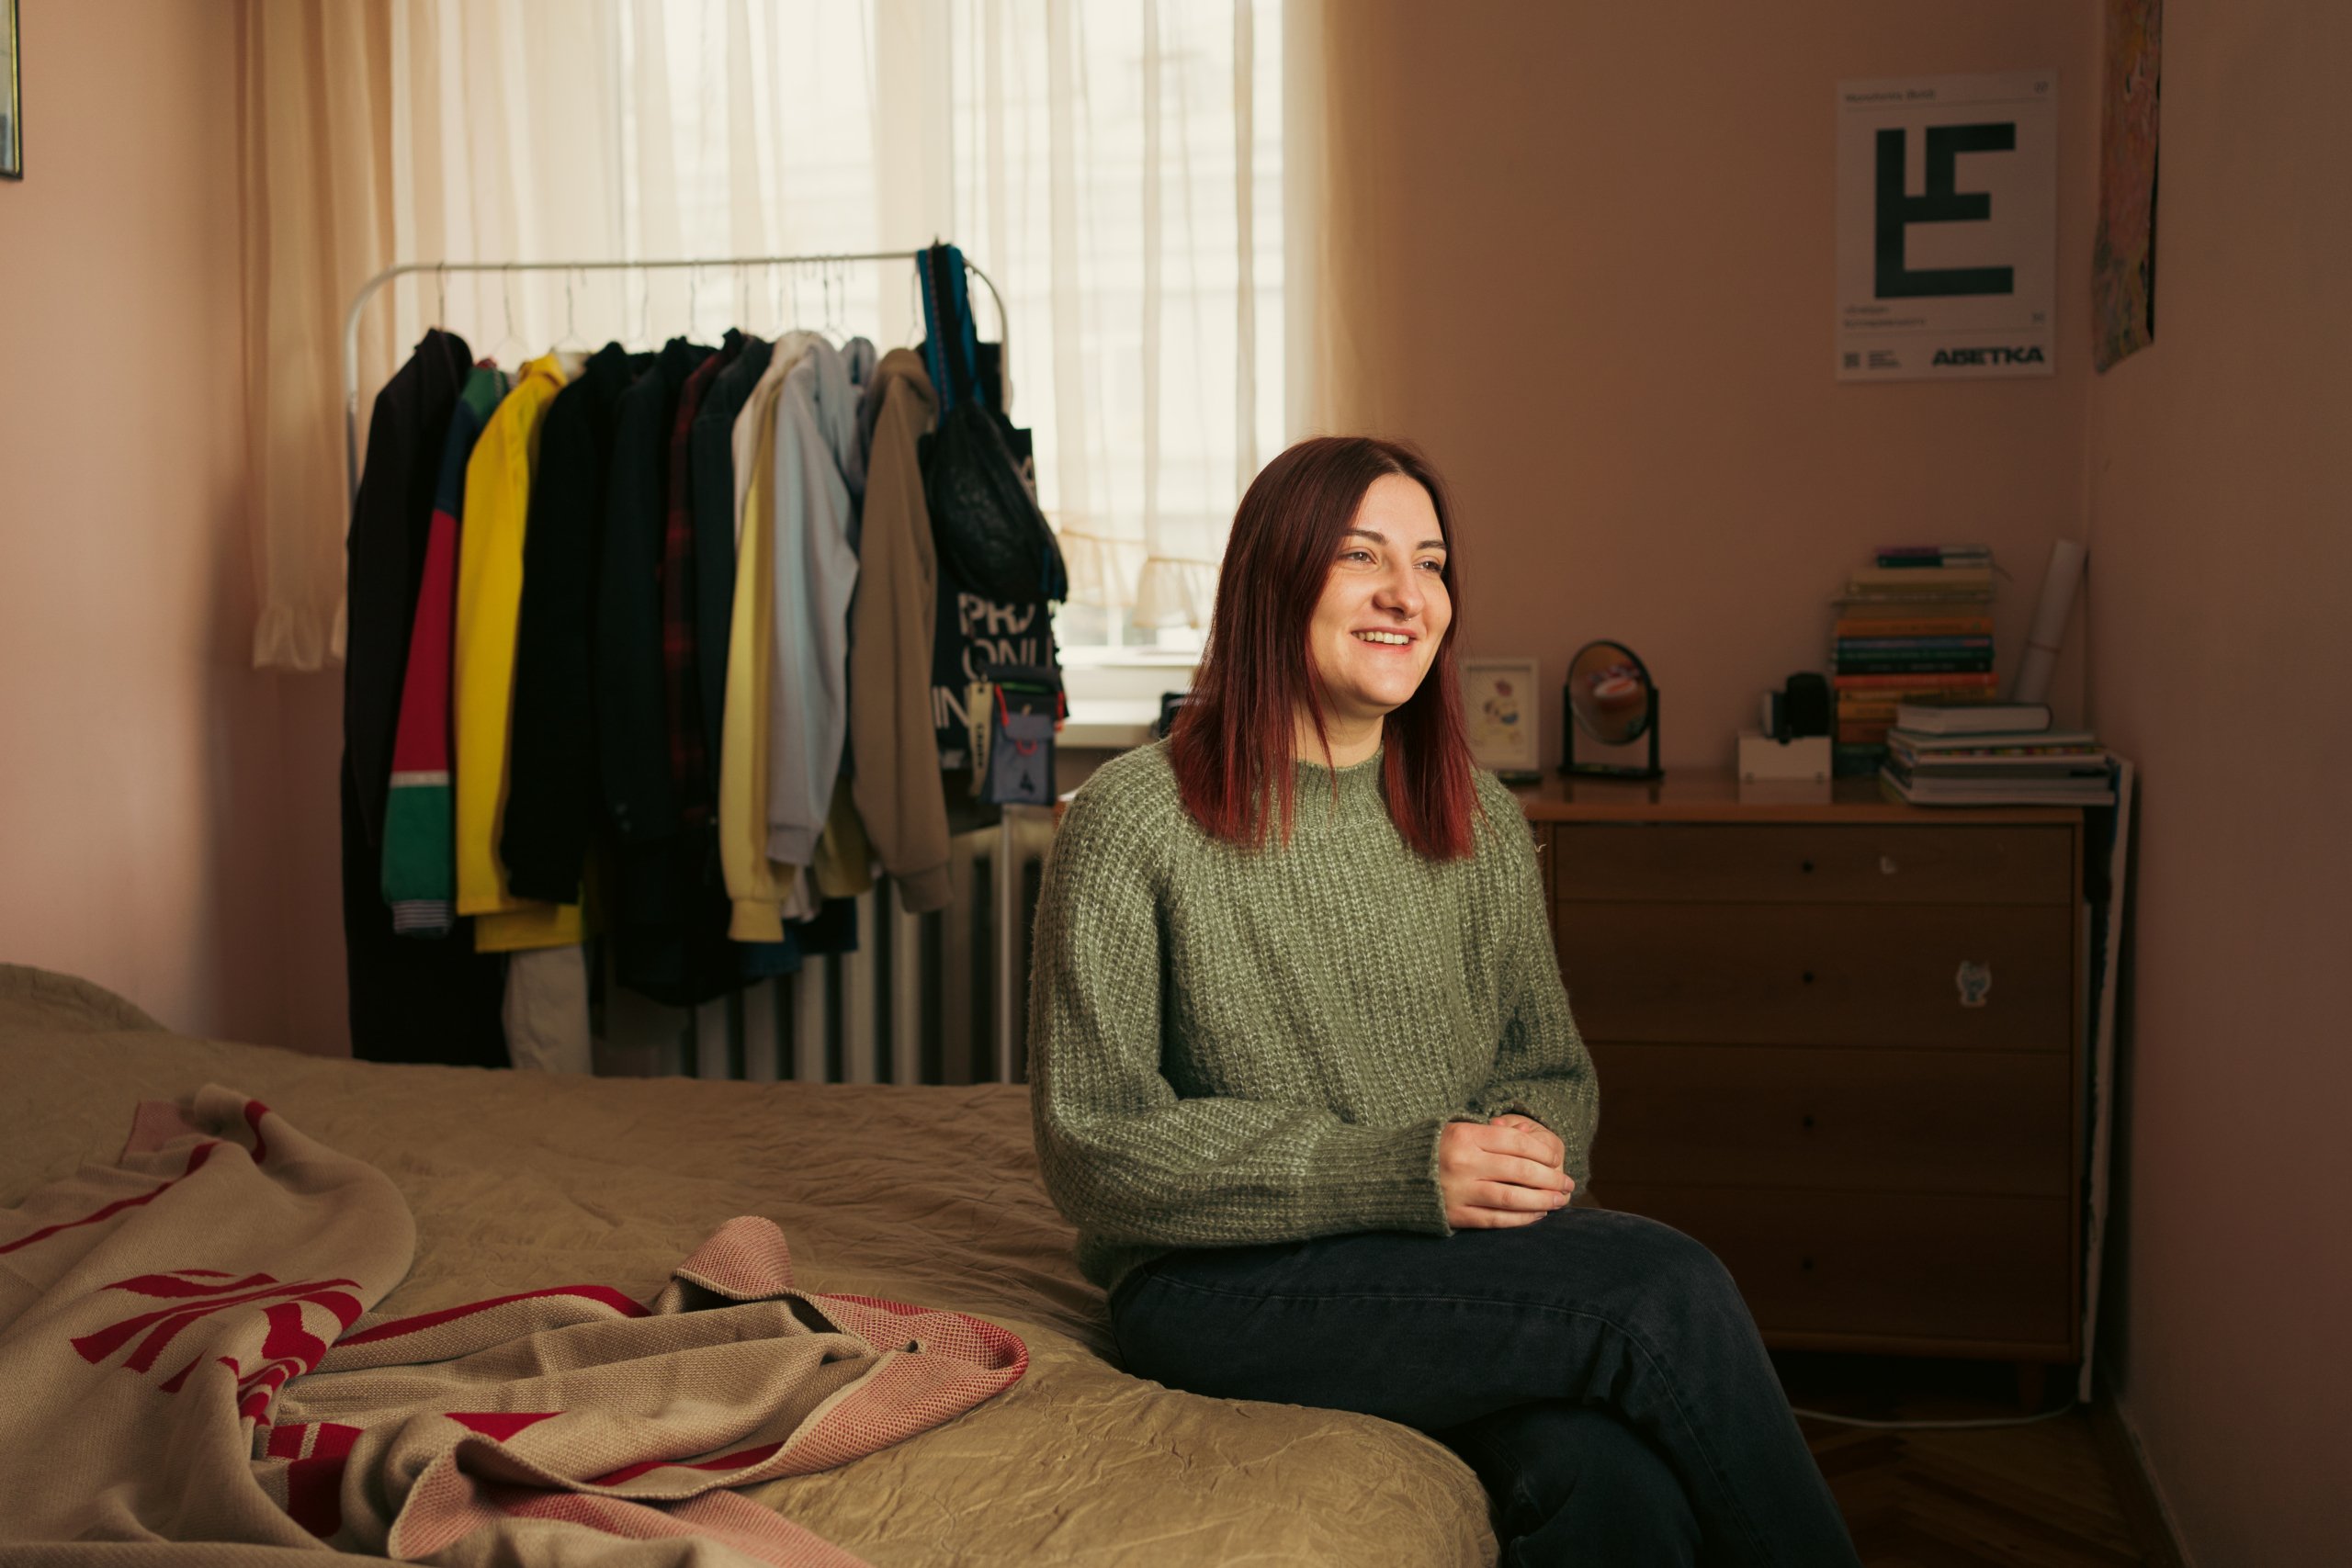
1840, 1043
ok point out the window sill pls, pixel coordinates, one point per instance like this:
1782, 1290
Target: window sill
1114, 694
1108, 724
1090, 674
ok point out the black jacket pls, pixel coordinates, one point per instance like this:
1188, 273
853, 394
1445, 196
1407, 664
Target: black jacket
390, 521
632, 712
553, 799
411, 1000
669, 922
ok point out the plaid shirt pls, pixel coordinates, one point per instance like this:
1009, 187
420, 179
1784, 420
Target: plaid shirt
689, 760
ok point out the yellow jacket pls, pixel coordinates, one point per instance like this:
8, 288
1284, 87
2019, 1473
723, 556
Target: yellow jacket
489, 599
757, 886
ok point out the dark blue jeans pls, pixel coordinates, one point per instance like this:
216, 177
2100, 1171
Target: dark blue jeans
1598, 1370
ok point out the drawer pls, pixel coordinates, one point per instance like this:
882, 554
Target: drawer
1822, 1270
1819, 974
1863, 862
1947, 1122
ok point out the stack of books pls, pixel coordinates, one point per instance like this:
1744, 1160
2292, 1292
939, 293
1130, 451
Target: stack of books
1916, 623
1992, 754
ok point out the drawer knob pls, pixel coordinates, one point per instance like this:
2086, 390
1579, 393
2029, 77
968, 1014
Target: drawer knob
1804, 865
1806, 1264
1886, 866
1808, 977
1808, 1124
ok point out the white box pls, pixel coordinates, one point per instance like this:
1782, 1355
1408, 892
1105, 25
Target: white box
1763, 758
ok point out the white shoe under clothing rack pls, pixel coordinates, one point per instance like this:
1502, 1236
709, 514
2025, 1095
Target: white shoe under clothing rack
1007, 879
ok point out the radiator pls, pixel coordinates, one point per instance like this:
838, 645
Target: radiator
934, 999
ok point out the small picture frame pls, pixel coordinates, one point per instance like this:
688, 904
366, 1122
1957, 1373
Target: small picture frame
1499, 710
12, 95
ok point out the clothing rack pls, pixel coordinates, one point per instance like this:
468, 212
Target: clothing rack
1007, 879
443, 269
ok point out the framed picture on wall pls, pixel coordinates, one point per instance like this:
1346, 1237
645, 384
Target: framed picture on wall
1499, 705
12, 97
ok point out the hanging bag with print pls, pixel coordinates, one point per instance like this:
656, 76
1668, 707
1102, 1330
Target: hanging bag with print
984, 517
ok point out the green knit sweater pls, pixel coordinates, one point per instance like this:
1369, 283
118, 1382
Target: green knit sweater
1231, 1047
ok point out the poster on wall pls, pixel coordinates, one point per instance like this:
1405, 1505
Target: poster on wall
1947, 227
2123, 259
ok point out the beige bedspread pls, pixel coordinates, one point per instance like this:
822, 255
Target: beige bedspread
918, 1194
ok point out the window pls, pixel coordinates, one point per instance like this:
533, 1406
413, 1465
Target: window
1115, 169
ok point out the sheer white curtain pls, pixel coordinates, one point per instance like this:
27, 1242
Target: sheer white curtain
1122, 164
618, 129
1116, 168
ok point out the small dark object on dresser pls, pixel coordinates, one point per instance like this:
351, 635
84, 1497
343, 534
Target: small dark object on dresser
1803, 708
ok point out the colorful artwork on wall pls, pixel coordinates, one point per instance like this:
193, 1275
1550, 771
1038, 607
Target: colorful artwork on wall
2124, 262
12, 97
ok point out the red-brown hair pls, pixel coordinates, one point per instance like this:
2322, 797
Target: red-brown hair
1231, 745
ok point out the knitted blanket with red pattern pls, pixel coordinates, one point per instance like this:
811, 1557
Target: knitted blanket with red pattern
188, 1356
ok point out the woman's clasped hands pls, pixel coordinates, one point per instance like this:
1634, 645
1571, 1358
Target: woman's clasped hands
1493, 1175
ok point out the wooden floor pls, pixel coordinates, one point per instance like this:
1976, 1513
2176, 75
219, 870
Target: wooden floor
2046, 1495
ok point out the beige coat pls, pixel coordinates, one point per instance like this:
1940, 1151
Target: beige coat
893, 743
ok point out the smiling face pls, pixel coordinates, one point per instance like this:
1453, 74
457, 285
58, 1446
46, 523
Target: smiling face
1384, 611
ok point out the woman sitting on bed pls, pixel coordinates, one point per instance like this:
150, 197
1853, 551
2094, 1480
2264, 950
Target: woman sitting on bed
1305, 1079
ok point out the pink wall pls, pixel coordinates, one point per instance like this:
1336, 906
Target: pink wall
142, 784
1603, 238
1600, 297
2220, 594
1597, 263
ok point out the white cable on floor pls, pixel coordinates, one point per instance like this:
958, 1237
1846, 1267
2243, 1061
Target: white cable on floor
1934, 1426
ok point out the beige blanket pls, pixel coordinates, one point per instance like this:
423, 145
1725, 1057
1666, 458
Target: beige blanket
183, 1336
912, 1194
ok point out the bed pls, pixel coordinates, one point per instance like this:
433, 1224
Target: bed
927, 1195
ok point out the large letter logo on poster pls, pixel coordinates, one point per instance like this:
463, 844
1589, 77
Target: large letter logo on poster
1942, 203
1945, 206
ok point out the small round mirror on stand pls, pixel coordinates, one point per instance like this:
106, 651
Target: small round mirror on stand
1611, 698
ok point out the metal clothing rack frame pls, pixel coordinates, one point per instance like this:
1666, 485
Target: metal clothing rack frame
1007, 879
444, 269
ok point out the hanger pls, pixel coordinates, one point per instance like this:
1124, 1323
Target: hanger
570, 338
506, 294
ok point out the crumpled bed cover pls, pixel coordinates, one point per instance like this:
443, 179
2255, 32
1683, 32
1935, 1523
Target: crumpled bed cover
924, 1194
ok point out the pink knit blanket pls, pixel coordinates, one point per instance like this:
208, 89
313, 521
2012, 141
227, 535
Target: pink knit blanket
188, 1354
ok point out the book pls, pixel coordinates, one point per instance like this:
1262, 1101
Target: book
1853, 759
1940, 765
2096, 790
1960, 681
1912, 551
1910, 600
1920, 664
1910, 577
1926, 563
2074, 759
1989, 741
1914, 644
1900, 623
1933, 718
